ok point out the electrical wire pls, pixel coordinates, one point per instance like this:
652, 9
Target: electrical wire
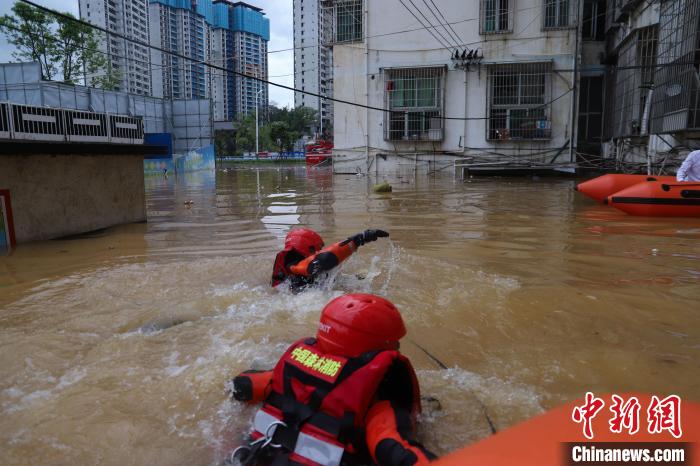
446, 47
237, 73
454, 33
400, 32
431, 24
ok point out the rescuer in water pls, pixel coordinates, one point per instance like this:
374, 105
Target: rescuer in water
304, 257
345, 397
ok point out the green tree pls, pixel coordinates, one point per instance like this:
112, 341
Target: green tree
300, 119
31, 31
282, 136
65, 49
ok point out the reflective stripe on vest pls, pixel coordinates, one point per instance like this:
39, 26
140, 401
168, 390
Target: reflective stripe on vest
317, 450
307, 446
263, 421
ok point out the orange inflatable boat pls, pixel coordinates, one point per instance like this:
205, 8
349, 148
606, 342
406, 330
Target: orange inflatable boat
603, 186
553, 438
659, 199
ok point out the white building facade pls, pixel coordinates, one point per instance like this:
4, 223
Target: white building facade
313, 58
130, 61
487, 83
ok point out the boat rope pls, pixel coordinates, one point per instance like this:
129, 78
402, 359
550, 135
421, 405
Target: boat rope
442, 365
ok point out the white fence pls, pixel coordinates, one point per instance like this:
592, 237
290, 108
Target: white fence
26, 122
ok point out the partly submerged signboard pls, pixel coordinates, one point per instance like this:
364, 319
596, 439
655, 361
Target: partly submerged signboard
7, 232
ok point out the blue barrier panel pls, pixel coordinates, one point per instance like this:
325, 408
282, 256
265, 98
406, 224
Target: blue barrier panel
159, 139
200, 159
158, 166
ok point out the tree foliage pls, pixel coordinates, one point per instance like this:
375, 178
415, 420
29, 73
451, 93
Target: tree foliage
66, 50
279, 133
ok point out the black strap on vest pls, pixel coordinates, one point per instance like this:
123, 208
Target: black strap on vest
295, 413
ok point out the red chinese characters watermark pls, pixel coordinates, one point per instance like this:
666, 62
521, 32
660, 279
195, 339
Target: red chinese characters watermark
625, 415
662, 415
587, 412
665, 415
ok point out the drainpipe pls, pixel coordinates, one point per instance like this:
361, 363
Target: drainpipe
644, 131
575, 85
366, 28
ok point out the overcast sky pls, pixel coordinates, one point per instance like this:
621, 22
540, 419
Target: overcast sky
281, 37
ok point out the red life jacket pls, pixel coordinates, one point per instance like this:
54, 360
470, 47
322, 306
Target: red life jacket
279, 270
322, 399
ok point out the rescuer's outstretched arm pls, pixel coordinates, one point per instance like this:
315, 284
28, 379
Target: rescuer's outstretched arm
329, 257
390, 437
252, 386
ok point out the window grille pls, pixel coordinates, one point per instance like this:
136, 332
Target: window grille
415, 99
496, 16
676, 98
593, 23
632, 84
558, 14
4, 120
519, 104
590, 114
348, 20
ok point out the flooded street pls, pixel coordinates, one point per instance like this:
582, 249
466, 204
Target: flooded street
115, 347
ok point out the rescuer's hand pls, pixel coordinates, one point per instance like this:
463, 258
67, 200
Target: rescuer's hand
315, 267
367, 236
251, 386
241, 388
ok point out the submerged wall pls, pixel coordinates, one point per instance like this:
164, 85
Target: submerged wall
59, 195
194, 160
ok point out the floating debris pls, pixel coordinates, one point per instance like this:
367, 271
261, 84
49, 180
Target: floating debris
382, 188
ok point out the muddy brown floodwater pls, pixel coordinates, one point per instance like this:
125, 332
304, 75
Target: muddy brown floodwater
115, 347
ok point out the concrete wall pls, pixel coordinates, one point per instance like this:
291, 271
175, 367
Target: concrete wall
54, 196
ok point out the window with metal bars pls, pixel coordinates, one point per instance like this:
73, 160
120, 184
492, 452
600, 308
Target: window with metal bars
676, 95
590, 111
496, 16
414, 97
593, 22
634, 81
348, 20
558, 13
519, 101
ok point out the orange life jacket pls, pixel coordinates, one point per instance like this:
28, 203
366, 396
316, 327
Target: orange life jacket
339, 251
331, 256
322, 400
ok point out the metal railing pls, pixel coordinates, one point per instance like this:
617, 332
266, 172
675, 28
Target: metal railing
26, 122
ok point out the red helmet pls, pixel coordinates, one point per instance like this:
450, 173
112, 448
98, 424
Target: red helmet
303, 240
356, 323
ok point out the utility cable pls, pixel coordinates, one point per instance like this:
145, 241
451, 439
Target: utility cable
431, 23
451, 32
237, 73
446, 47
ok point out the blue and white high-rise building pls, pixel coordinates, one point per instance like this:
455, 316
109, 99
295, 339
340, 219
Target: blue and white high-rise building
130, 61
233, 35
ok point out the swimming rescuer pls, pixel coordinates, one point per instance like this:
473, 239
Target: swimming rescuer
346, 397
304, 257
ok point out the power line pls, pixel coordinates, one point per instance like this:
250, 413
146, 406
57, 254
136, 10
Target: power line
447, 47
454, 33
431, 24
403, 32
264, 81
